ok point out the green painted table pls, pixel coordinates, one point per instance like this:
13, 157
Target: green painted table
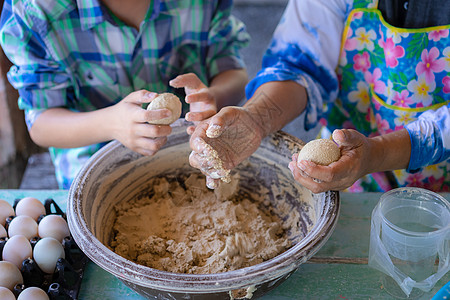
338, 271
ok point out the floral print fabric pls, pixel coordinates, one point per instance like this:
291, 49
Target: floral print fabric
388, 78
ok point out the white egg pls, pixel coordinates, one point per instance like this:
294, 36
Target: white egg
9, 275
53, 226
16, 250
33, 293
6, 294
6, 210
30, 206
23, 225
46, 252
3, 231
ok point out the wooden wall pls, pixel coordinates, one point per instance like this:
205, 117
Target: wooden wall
15, 142
14, 138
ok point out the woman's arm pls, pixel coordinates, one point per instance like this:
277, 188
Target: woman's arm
423, 142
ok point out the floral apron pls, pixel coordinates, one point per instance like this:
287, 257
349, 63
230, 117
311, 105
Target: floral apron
388, 77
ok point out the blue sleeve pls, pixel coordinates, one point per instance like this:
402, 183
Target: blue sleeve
430, 138
305, 49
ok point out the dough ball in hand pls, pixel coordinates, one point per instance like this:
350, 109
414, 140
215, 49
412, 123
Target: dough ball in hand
169, 101
321, 151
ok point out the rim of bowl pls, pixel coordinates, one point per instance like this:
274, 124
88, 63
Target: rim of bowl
141, 275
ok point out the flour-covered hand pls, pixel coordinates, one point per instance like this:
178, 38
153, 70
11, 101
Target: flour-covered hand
222, 142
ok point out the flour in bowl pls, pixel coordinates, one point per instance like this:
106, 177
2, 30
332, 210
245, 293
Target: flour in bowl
183, 227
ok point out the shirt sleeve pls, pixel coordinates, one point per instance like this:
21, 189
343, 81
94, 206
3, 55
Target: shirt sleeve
430, 138
42, 83
305, 48
226, 36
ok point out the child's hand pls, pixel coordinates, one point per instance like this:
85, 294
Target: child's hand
129, 122
198, 95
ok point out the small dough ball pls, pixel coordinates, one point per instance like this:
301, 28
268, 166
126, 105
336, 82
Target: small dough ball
321, 151
53, 226
30, 206
6, 210
9, 275
169, 101
6, 294
33, 293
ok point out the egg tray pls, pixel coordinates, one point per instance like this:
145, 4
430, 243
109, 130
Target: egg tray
65, 283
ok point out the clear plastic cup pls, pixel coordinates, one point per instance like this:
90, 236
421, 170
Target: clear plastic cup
410, 232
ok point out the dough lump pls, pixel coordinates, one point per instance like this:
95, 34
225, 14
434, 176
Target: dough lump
184, 227
169, 101
321, 151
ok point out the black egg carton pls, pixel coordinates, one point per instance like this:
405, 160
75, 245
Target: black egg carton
65, 282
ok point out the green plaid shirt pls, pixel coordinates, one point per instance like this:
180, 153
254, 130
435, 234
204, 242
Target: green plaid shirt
76, 54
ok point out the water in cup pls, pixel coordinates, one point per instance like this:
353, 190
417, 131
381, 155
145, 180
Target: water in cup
409, 233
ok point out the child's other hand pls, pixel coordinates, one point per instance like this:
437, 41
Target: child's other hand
129, 123
200, 98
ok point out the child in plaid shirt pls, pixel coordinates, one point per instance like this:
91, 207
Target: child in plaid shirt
84, 69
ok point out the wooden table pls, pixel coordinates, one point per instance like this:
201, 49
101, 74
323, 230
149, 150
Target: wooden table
338, 271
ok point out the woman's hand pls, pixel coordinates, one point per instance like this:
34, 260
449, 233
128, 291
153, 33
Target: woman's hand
222, 142
356, 160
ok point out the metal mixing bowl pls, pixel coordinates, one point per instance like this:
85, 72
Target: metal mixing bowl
115, 174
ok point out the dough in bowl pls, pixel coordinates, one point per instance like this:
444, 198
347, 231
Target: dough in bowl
169, 101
